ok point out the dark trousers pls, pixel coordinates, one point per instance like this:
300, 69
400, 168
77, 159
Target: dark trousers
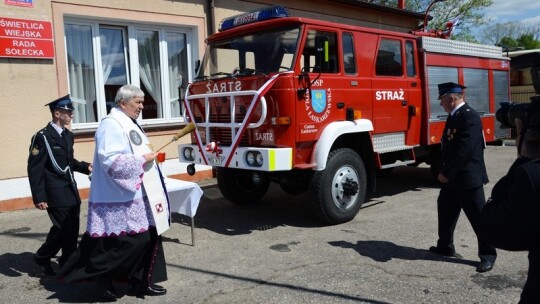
63, 234
449, 205
531, 293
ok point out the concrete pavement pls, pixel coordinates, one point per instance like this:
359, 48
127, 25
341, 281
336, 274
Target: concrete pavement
277, 252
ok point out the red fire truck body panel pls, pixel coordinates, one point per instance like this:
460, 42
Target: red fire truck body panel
321, 106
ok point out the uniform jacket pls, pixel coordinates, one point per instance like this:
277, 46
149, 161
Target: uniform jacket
46, 182
510, 219
463, 149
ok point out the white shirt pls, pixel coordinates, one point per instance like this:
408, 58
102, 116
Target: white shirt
456, 108
57, 128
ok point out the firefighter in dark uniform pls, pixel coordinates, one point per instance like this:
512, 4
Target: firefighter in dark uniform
463, 174
50, 172
510, 219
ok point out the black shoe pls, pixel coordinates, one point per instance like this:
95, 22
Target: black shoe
45, 265
151, 291
485, 266
157, 287
445, 252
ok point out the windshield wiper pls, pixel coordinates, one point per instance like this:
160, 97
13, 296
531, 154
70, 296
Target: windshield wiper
221, 74
247, 72
201, 77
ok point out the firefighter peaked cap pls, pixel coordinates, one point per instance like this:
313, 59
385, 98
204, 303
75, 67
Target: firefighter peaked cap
450, 87
63, 102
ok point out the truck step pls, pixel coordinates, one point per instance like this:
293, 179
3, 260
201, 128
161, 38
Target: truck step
396, 156
393, 149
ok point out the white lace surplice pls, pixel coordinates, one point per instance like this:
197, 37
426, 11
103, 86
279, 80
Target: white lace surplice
117, 203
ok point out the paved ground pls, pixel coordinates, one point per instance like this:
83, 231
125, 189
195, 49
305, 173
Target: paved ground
277, 252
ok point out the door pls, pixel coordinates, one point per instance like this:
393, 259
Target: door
390, 88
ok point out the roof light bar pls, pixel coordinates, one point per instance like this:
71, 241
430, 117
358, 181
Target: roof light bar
266, 13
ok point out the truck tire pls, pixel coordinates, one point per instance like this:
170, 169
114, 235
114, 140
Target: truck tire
242, 187
340, 189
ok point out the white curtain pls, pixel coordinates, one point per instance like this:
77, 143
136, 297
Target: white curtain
81, 71
176, 49
149, 66
111, 50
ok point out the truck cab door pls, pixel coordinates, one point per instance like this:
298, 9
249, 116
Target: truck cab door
320, 85
391, 88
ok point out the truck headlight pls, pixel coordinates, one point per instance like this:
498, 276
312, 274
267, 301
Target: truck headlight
189, 154
250, 158
259, 159
254, 159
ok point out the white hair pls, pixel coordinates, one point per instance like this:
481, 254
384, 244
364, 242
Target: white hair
127, 92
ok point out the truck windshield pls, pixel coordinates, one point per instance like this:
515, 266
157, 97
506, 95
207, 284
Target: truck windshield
264, 52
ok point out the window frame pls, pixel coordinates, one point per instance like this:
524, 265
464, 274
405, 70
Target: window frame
133, 73
382, 68
350, 69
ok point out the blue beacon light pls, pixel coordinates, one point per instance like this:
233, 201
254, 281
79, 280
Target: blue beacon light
271, 12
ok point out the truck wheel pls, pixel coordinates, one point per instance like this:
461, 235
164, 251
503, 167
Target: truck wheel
242, 187
340, 189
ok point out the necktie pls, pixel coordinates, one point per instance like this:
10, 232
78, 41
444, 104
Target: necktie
64, 136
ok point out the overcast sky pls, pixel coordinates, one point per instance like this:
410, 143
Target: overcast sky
514, 10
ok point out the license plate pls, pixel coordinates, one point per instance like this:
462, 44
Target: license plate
215, 160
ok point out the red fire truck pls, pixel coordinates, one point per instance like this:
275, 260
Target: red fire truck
323, 107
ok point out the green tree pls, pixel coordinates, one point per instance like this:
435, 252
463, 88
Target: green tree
512, 34
508, 42
468, 12
494, 33
528, 42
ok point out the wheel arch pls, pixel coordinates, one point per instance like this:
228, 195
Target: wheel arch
347, 134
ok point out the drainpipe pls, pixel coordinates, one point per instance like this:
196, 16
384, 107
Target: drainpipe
210, 17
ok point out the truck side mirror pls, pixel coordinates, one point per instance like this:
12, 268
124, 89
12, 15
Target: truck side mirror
197, 66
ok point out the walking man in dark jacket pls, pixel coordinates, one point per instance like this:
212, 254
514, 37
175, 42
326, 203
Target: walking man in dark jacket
463, 174
50, 171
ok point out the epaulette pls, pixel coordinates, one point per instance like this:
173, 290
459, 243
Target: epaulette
34, 149
40, 132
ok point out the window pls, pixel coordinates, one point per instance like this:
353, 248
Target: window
113, 62
500, 83
389, 58
81, 72
314, 59
103, 57
501, 90
438, 75
409, 57
349, 61
477, 92
267, 51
